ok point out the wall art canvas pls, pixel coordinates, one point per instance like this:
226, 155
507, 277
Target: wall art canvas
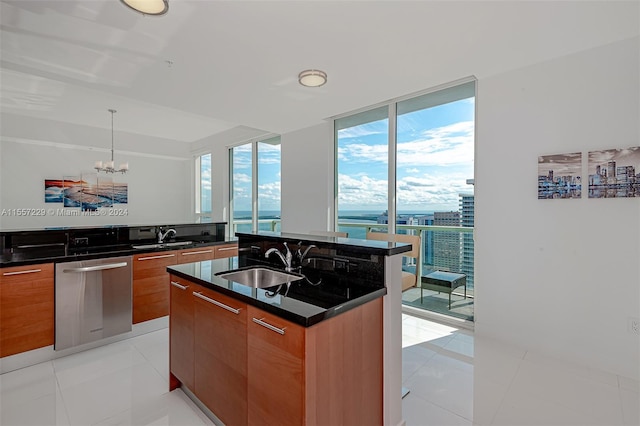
614, 173
72, 192
96, 192
88, 191
560, 176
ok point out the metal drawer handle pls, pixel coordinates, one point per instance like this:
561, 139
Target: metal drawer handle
227, 248
25, 246
215, 302
189, 253
180, 286
269, 326
30, 271
97, 267
156, 257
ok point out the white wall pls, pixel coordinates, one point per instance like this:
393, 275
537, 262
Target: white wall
307, 179
560, 277
31, 151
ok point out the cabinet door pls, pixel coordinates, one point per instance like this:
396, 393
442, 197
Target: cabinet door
26, 308
221, 355
181, 336
226, 250
195, 255
275, 361
151, 285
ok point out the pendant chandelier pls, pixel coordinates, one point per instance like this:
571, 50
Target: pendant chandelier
109, 166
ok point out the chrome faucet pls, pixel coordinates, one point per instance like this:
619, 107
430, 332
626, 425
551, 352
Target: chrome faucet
301, 255
285, 258
162, 236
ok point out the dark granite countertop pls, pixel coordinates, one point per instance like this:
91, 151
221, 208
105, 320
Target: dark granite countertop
69, 244
355, 245
304, 303
88, 253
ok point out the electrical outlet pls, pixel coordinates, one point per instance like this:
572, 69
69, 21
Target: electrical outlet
633, 325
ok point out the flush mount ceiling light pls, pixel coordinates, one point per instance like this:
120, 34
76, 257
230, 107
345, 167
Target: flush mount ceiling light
109, 166
312, 78
148, 7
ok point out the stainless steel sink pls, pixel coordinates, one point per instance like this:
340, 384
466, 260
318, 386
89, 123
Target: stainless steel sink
259, 277
163, 245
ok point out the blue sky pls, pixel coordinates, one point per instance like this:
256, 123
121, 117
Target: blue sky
268, 177
434, 159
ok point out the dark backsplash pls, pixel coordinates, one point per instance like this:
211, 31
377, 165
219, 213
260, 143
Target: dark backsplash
34, 244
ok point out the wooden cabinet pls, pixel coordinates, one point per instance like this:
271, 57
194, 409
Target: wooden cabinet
225, 250
330, 373
26, 308
276, 363
221, 355
251, 367
151, 285
181, 330
196, 254
150, 277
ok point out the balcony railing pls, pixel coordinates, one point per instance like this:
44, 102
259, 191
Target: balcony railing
443, 248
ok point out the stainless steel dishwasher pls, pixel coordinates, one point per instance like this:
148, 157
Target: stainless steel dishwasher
93, 300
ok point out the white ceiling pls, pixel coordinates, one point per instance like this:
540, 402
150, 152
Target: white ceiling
235, 63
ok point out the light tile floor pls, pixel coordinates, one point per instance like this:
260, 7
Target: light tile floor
453, 378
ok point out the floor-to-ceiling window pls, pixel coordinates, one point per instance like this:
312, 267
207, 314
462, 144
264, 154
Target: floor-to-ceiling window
362, 144
203, 188
269, 164
255, 185
241, 198
434, 187
429, 138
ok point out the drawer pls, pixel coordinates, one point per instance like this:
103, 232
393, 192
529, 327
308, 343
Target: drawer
196, 254
226, 250
17, 274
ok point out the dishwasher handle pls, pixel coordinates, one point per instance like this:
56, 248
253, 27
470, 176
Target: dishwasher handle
97, 267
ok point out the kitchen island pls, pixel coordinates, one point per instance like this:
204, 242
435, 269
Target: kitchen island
308, 351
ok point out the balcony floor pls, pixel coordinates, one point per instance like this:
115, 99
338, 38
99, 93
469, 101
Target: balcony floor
439, 302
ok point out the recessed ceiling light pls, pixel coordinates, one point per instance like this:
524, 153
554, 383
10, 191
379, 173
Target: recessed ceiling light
148, 7
312, 78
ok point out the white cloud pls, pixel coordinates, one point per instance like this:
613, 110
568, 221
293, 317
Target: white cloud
362, 193
240, 178
363, 153
442, 146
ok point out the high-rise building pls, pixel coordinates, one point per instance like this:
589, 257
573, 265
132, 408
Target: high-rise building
467, 204
446, 244
427, 241
611, 172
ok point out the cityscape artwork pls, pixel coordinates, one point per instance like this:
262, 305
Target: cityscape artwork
560, 176
614, 173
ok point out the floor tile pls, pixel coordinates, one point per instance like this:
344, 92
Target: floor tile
88, 365
630, 407
454, 378
171, 409
98, 399
414, 357
445, 386
27, 384
628, 384
420, 412
596, 399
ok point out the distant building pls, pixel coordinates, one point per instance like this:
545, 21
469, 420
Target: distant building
427, 238
467, 213
446, 245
